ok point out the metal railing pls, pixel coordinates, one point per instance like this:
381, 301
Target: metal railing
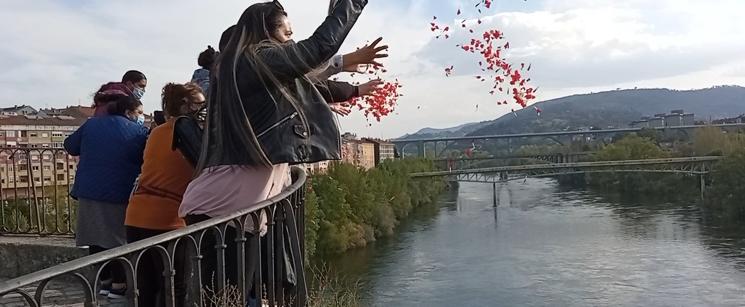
34, 191
280, 283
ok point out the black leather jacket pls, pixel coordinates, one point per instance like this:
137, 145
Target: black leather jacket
284, 135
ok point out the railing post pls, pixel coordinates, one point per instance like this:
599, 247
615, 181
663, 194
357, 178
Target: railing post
494, 191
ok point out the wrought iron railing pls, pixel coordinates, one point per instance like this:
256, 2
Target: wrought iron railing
279, 278
34, 191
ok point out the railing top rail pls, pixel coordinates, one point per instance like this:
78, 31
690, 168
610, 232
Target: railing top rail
86, 261
556, 133
568, 165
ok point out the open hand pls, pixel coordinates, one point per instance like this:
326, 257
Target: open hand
365, 55
341, 108
368, 87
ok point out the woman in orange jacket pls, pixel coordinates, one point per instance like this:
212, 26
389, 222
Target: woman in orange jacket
166, 172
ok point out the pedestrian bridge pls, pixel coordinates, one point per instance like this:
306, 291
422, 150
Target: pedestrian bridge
686, 165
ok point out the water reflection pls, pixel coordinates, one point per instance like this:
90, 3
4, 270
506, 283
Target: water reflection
545, 246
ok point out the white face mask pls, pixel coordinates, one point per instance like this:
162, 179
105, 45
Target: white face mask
138, 93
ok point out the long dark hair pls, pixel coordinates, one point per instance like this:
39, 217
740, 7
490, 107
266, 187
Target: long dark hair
225, 111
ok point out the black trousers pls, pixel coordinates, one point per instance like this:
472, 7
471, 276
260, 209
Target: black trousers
150, 283
209, 256
112, 271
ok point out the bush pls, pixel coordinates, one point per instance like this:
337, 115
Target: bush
349, 207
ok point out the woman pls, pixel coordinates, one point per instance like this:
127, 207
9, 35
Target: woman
264, 115
110, 149
153, 207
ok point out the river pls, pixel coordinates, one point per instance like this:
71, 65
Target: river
549, 246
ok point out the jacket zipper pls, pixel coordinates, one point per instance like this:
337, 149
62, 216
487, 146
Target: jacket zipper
281, 121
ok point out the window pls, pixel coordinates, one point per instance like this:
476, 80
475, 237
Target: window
57, 134
33, 134
23, 179
45, 145
72, 166
35, 167
10, 134
60, 177
22, 167
60, 166
37, 179
47, 179
47, 167
45, 135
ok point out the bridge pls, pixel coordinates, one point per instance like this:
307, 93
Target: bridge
699, 166
460, 163
403, 144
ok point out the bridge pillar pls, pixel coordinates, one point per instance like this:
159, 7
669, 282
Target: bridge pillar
420, 150
703, 185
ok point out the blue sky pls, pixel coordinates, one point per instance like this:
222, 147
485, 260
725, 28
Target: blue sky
56, 52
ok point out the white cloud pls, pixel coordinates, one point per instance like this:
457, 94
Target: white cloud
55, 53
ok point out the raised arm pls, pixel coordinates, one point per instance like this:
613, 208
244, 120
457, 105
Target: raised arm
294, 60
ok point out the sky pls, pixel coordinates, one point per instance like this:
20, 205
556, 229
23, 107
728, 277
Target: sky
57, 52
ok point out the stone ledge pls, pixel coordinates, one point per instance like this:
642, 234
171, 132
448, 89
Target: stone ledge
20, 255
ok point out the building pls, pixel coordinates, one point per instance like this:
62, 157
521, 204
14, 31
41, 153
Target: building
673, 120
358, 152
657, 122
18, 110
32, 131
688, 119
383, 150
640, 124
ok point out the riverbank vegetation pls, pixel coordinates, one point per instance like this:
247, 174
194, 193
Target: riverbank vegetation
725, 184
350, 207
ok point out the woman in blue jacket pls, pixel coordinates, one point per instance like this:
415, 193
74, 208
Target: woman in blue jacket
110, 150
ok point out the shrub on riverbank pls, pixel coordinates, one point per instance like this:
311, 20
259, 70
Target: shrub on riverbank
349, 207
728, 184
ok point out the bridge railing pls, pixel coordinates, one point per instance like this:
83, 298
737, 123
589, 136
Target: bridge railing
705, 160
279, 280
34, 191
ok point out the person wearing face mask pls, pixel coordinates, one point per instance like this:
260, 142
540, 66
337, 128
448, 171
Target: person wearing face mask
110, 149
166, 171
136, 82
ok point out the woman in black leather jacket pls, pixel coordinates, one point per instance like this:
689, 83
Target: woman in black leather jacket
264, 114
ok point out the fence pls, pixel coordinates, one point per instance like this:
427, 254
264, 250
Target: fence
34, 191
280, 283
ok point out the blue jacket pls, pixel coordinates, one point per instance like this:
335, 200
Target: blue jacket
110, 150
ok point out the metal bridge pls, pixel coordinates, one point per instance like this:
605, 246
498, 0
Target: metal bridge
460, 163
401, 145
699, 166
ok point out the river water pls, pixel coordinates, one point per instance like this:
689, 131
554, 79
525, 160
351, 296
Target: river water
548, 246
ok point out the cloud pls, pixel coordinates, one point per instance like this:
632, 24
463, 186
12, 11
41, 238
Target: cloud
56, 53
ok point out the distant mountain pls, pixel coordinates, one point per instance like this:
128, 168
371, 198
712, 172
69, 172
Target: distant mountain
446, 132
605, 109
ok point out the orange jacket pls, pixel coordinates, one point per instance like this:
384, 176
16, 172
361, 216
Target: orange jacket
163, 181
